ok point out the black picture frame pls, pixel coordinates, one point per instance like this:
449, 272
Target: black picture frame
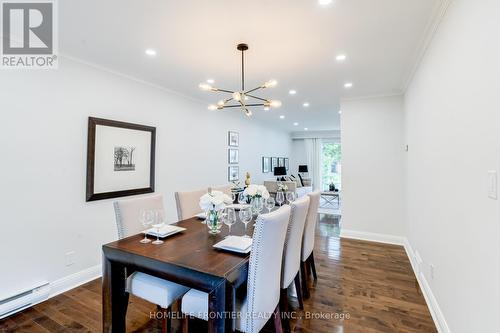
287, 163
281, 161
237, 155
266, 164
233, 139
274, 163
91, 145
230, 170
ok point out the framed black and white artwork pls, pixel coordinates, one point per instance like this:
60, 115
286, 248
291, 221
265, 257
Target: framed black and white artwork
120, 159
233, 156
266, 164
274, 163
233, 139
233, 173
287, 163
281, 161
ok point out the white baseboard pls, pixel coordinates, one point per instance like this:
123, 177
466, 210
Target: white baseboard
74, 280
373, 237
430, 299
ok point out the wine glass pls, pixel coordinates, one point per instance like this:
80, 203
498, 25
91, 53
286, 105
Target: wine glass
146, 218
290, 197
246, 217
270, 202
280, 198
242, 199
158, 217
259, 205
229, 218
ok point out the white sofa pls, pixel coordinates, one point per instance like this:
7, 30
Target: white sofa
272, 187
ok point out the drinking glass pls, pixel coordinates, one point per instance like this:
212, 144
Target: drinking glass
290, 197
146, 218
234, 196
246, 217
280, 198
242, 199
158, 218
229, 218
270, 202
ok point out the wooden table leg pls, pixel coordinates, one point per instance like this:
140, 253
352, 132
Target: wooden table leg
217, 308
114, 297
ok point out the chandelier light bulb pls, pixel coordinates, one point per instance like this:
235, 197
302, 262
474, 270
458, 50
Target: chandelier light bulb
275, 103
205, 86
248, 113
212, 107
270, 84
237, 96
220, 103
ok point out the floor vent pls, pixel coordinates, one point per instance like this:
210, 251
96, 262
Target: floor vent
22, 300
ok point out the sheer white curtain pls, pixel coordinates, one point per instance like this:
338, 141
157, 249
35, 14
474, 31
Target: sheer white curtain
313, 150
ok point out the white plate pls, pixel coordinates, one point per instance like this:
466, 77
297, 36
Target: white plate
165, 231
238, 206
237, 244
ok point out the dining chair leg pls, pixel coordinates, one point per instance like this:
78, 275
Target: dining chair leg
285, 322
313, 266
185, 324
303, 277
166, 322
277, 320
298, 290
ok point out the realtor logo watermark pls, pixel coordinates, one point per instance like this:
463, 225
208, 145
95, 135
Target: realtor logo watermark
29, 34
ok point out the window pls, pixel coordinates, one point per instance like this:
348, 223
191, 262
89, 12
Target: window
330, 165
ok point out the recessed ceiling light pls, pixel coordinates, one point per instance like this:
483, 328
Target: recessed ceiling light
306, 129
292, 92
340, 111
282, 117
348, 85
341, 57
211, 81
324, 2
295, 124
150, 52
306, 104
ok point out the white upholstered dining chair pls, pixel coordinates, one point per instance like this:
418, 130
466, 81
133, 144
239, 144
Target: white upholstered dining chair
292, 253
263, 282
158, 291
188, 202
307, 254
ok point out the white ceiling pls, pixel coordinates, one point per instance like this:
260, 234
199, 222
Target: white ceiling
294, 42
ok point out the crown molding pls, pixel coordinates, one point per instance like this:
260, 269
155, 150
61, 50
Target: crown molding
439, 12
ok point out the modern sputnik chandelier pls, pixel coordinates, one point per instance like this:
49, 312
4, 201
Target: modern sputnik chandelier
243, 99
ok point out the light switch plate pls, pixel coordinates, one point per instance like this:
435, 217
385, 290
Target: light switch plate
492, 184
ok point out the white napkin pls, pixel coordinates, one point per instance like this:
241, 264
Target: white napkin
164, 230
236, 243
238, 206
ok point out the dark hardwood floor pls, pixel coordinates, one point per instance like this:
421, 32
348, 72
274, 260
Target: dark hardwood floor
361, 287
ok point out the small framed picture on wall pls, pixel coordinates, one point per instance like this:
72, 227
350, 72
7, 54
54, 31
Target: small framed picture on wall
233, 139
233, 173
233, 156
287, 163
266, 164
274, 163
281, 161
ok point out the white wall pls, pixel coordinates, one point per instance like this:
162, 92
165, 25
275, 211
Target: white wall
453, 132
299, 154
43, 164
372, 165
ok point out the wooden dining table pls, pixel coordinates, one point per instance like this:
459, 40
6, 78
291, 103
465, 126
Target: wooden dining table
187, 258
